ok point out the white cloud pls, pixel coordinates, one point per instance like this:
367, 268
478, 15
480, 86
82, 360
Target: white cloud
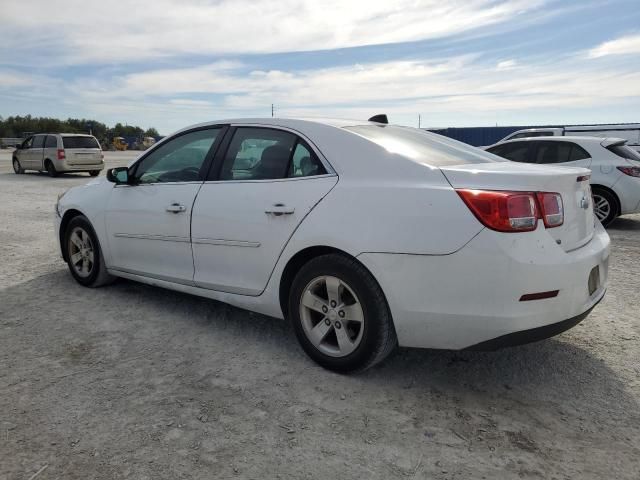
506, 65
120, 31
629, 44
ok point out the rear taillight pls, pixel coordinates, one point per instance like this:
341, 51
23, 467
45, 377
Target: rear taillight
631, 171
61, 155
551, 209
514, 211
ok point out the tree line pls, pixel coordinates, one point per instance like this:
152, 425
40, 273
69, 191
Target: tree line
18, 126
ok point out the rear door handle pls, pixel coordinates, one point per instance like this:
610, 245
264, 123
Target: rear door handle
279, 209
176, 208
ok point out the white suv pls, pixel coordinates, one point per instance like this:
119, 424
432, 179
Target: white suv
59, 152
615, 167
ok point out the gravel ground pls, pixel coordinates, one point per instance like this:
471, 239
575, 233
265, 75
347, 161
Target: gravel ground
131, 381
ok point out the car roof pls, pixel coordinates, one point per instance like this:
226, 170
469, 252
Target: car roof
575, 138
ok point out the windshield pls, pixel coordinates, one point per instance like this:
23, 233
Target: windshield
423, 147
80, 142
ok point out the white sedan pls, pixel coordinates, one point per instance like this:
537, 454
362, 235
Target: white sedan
365, 235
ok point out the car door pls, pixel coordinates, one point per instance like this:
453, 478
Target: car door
148, 221
24, 154
562, 153
36, 151
50, 149
263, 185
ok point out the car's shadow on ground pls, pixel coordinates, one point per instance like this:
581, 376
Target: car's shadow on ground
625, 224
558, 371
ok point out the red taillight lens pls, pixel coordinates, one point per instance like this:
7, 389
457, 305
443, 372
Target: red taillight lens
503, 211
61, 155
514, 211
631, 171
552, 210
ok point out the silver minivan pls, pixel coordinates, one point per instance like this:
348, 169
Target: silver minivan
59, 152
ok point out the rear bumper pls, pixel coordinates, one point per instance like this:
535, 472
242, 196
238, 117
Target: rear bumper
628, 190
532, 335
473, 296
67, 166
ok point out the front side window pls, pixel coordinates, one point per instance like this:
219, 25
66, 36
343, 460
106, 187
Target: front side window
38, 141
258, 154
51, 142
28, 143
516, 152
177, 160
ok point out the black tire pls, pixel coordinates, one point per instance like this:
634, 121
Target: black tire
94, 173
605, 199
51, 169
378, 339
97, 275
17, 168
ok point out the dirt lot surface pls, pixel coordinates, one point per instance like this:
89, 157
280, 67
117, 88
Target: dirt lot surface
131, 381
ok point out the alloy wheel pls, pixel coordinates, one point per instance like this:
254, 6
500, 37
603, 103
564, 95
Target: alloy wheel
601, 207
81, 252
332, 316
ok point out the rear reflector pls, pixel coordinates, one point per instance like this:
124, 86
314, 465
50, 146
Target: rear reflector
61, 155
631, 171
506, 211
539, 296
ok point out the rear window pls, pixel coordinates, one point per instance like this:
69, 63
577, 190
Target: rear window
80, 142
421, 146
624, 152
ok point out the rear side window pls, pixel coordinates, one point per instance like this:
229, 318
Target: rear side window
38, 141
559, 152
516, 151
80, 142
265, 153
624, 152
51, 142
422, 146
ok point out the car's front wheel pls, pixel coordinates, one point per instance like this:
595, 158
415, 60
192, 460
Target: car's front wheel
17, 168
340, 315
94, 173
605, 206
84, 255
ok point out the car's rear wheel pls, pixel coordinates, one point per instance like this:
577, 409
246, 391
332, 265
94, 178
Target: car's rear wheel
17, 168
340, 315
605, 206
94, 173
84, 255
51, 169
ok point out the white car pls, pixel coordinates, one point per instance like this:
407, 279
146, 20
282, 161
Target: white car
615, 167
628, 131
365, 235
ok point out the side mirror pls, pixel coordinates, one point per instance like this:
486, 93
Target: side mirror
119, 175
19, 146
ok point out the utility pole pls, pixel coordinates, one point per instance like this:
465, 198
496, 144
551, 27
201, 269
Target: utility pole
272, 110
419, 119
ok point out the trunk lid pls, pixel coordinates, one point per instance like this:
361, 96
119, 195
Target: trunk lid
579, 220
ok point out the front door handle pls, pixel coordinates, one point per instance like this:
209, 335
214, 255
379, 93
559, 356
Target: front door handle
176, 208
279, 209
